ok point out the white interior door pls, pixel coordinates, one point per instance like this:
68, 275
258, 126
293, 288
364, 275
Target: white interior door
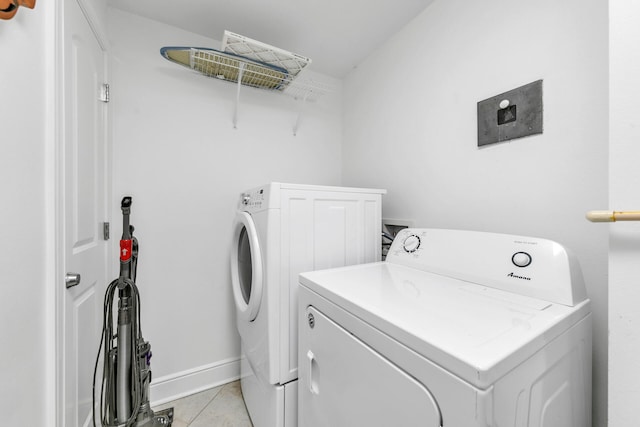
83, 203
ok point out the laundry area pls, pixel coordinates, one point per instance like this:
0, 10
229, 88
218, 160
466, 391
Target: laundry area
292, 260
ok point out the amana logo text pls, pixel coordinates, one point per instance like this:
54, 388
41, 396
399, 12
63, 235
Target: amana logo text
518, 277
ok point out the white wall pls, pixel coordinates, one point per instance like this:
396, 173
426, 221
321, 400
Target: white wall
26, 333
410, 127
177, 154
624, 194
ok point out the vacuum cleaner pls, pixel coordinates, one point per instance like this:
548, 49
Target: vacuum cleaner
126, 374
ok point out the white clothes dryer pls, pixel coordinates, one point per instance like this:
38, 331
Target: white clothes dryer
280, 231
455, 329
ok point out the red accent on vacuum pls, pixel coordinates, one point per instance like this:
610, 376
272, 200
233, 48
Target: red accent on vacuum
125, 250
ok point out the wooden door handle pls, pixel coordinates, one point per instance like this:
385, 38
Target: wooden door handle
613, 216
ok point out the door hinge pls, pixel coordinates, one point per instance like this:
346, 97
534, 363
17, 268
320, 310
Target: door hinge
104, 92
105, 231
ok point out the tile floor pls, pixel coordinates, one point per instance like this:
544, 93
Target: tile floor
221, 406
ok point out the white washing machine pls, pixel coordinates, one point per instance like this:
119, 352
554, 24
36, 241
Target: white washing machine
280, 231
455, 329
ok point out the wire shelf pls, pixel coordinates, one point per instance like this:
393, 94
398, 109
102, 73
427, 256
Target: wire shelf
231, 68
307, 89
251, 63
264, 53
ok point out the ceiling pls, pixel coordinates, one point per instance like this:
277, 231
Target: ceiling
336, 34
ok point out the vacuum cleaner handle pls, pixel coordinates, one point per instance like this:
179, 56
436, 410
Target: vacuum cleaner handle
126, 202
126, 242
125, 206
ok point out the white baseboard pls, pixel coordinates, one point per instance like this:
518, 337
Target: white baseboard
185, 383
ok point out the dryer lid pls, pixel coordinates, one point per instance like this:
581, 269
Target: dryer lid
476, 332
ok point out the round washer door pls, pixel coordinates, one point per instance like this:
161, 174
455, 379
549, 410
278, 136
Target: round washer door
246, 267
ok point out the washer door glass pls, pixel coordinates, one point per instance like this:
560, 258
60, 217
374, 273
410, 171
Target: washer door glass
246, 267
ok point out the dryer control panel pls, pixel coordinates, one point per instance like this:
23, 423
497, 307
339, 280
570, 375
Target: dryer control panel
537, 268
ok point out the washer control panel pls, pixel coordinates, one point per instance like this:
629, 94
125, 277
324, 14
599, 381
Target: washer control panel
253, 200
528, 266
521, 259
411, 243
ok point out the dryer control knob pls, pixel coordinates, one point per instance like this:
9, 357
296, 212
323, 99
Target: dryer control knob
245, 199
521, 259
411, 243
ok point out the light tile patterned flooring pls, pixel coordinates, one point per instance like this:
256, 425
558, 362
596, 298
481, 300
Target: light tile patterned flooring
221, 406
